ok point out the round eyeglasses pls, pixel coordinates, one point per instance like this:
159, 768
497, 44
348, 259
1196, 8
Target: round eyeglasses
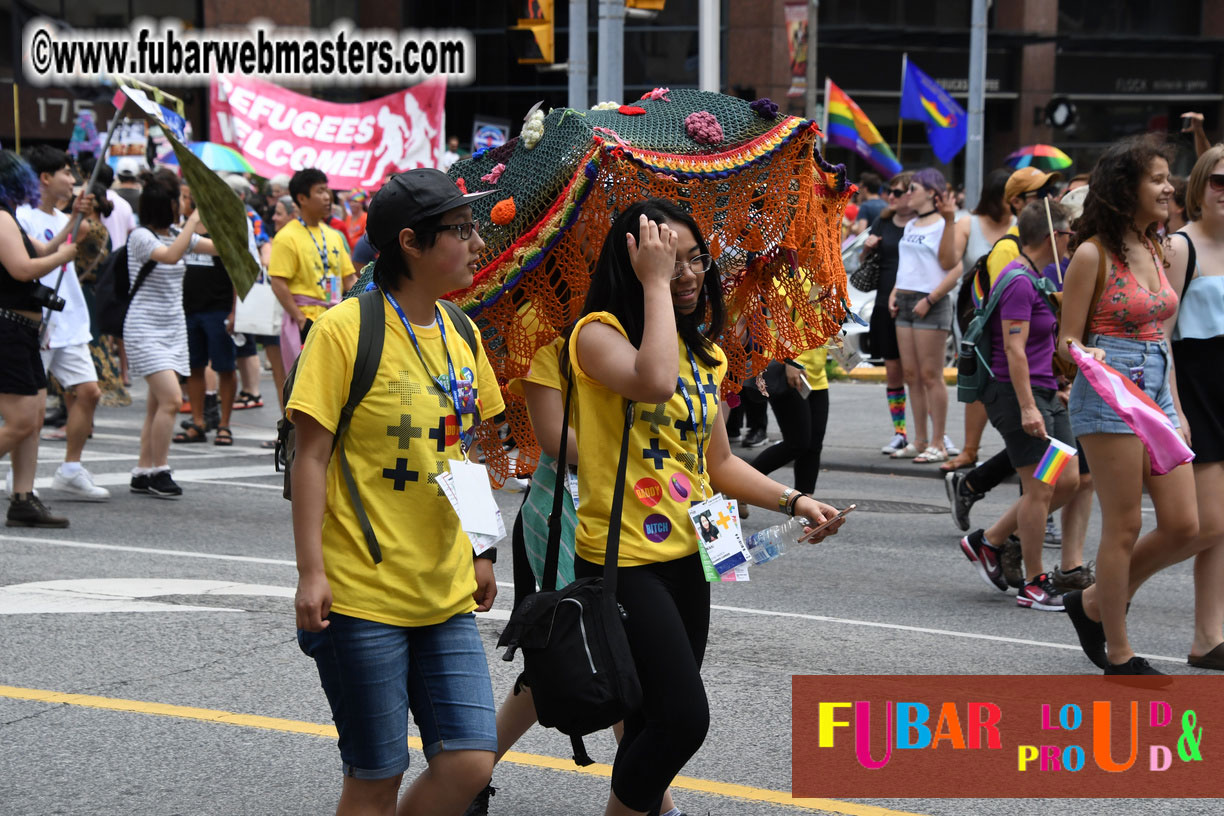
698, 266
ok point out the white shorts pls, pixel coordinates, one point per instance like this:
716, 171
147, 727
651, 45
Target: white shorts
71, 365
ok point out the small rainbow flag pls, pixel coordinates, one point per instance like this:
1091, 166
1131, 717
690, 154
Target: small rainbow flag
847, 126
1056, 458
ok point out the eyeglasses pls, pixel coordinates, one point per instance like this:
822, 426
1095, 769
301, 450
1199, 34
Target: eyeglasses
698, 266
1069, 233
1216, 180
465, 229
897, 191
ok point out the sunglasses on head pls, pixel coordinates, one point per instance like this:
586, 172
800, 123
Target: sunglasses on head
1216, 180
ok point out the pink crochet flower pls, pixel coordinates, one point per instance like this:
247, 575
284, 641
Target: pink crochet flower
495, 174
657, 94
703, 127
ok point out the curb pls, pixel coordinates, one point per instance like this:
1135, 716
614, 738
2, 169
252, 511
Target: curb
876, 374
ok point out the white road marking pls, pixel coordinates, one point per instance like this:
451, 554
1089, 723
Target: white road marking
121, 595
180, 475
495, 614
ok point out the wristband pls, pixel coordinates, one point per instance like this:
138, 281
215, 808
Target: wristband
490, 554
784, 499
790, 506
927, 298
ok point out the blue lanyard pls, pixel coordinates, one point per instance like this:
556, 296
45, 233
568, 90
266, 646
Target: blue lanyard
322, 252
465, 437
688, 400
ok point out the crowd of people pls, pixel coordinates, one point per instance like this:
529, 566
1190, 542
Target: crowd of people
386, 610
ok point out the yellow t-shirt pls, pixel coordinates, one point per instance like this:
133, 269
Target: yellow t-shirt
661, 475
1004, 252
296, 257
813, 362
545, 370
402, 436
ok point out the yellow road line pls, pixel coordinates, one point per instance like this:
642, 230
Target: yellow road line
218, 717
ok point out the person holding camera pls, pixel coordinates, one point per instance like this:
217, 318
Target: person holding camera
23, 381
65, 346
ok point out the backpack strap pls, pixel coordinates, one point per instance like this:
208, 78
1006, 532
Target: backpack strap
1099, 288
581, 757
365, 367
462, 325
612, 551
1191, 262
548, 579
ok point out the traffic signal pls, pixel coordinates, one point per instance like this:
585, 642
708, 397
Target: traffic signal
532, 38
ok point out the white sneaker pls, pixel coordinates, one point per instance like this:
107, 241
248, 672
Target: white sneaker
80, 485
906, 452
895, 444
949, 447
8, 484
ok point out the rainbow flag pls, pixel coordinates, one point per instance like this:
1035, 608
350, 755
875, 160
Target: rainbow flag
847, 126
1056, 458
1164, 444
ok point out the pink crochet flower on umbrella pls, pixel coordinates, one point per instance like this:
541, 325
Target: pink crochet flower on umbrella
657, 94
703, 127
494, 175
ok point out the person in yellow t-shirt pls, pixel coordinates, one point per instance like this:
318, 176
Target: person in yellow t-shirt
397, 634
309, 267
644, 338
801, 419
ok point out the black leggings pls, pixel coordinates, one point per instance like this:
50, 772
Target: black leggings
802, 422
990, 474
668, 606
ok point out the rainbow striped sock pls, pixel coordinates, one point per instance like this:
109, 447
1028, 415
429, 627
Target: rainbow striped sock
896, 407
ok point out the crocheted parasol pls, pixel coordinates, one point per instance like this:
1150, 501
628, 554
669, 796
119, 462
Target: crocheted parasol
769, 205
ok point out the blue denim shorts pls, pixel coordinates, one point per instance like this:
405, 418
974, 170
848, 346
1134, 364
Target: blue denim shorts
209, 342
373, 673
1146, 362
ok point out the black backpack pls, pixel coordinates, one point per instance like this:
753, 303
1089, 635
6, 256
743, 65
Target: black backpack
112, 292
370, 336
965, 307
576, 655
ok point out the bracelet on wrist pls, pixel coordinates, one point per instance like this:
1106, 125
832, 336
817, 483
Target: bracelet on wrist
790, 506
784, 500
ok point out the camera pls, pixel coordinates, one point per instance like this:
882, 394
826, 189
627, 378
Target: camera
46, 298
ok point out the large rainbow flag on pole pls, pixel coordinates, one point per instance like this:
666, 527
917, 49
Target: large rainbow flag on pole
847, 126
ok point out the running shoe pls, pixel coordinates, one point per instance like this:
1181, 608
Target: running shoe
1039, 593
162, 486
1053, 538
895, 444
1012, 561
1081, 577
986, 558
960, 498
80, 485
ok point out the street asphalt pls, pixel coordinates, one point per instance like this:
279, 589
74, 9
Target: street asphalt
161, 674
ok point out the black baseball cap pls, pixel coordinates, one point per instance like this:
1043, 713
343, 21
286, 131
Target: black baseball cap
409, 198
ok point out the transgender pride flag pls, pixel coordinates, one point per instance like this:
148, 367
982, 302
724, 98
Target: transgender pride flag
1164, 444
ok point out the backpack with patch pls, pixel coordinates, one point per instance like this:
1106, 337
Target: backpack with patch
112, 292
978, 274
973, 371
370, 336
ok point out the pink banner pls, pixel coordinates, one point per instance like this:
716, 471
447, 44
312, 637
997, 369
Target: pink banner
356, 145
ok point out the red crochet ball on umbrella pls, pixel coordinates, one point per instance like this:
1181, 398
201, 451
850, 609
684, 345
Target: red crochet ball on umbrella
503, 212
703, 128
631, 110
461, 184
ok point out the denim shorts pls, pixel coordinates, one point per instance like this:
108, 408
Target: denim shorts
209, 342
938, 316
373, 673
1145, 362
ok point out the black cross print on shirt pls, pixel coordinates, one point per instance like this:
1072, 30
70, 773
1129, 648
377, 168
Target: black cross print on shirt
438, 434
400, 474
657, 417
689, 460
685, 428
432, 478
404, 432
656, 453
710, 387
407, 389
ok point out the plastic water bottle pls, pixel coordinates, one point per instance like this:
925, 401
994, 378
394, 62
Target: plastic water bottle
239, 339
768, 544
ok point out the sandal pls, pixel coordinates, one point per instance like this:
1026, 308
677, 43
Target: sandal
964, 459
268, 444
931, 455
193, 433
224, 438
246, 399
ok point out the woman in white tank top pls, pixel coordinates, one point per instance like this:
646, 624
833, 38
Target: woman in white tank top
919, 302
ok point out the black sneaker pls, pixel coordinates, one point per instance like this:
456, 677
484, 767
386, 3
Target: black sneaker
960, 498
1011, 559
1039, 593
26, 510
1091, 633
140, 483
754, 438
985, 557
480, 805
212, 412
162, 486
1136, 665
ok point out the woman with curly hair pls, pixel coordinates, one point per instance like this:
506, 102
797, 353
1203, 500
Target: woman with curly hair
1117, 303
23, 381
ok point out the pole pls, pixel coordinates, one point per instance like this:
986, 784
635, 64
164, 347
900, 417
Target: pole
1053, 242
824, 124
16, 117
577, 60
813, 15
610, 83
709, 46
977, 104
904, 63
